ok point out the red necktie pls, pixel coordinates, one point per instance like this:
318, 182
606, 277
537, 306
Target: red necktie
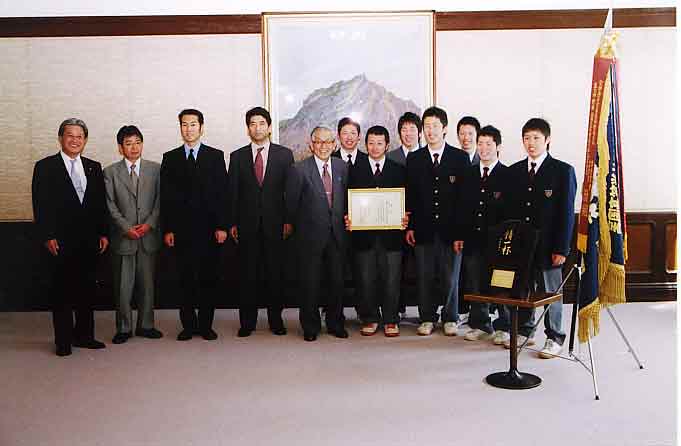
259, 166
377, 172
326, 179
485, 174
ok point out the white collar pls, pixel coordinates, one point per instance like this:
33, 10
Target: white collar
490, 168
539, 161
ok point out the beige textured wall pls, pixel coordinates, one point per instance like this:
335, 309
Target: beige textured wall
503, 77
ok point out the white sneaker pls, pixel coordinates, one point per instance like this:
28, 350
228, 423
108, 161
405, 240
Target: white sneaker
425, 329
450, 328
520, 341
476, 334
501, 337
551, 349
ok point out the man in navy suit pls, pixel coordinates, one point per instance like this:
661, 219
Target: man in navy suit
257, 181
433, 177
316, 202
378, 254
69, 211
194, 221
542, 193
482, 206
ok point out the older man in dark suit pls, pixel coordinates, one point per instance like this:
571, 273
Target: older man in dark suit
194, 221
316, 203
257, 181
69, 211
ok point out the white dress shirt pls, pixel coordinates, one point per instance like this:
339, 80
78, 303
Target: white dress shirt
78, 166
265, 152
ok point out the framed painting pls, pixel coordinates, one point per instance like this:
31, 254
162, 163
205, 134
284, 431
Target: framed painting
321, 67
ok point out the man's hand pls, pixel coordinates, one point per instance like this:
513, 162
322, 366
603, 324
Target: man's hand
169, 239
288, 230
348, 223
234, 233
411, 240
220, 236
103, 243
557, 259
53, 246
405, 220
132, 233
142, 229
457, 246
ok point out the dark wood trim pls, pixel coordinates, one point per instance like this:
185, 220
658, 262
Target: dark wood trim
251, 23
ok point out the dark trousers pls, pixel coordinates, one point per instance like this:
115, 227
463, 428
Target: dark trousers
260, 266
435, 259
474, 266
378, 277
321, 270
198, 262
73, 290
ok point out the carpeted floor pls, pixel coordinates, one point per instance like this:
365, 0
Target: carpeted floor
267, 390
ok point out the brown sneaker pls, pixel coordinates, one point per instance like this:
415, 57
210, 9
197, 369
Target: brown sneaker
391, 330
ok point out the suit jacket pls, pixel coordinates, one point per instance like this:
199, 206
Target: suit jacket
314, 222
361, 156
548, 204
129, 207
424, 188
361, 176
57, 212
252, 204
198, 212
476, 158
397, 155
481, 205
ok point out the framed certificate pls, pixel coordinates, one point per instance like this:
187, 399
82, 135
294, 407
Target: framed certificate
379, 208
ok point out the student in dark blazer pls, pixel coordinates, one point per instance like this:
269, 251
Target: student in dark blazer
257, 181
467, 130
316, 203
482, 206
69, 211
349, 133
378, 254
433, 177
409, 129
542, 193
194, 221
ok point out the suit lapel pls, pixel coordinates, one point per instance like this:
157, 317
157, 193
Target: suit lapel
315, 178
125, 176
336, 184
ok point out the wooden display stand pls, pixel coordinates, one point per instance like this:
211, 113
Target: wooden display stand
513, 379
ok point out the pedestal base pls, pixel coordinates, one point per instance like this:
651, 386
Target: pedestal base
513, 380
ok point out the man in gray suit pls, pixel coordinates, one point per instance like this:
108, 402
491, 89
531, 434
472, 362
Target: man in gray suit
315, 205
409, 129
133, 198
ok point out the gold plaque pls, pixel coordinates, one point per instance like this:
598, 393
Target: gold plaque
502, 278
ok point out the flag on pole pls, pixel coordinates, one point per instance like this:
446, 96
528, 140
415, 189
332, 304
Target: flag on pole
602, 230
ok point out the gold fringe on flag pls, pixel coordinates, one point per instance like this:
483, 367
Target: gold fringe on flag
589, 321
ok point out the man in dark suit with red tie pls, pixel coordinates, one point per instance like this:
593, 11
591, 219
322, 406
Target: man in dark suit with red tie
69, 210
378, 254
194, 221
316, 202
257, 181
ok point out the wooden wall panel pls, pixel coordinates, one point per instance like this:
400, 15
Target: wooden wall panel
640, 244
670, 247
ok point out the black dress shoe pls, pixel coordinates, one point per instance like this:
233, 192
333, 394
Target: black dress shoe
339, 332
279, 331
150, 333
244, 332
209, 335
93, 344
184, 335
63, 350
309, 337
120, 338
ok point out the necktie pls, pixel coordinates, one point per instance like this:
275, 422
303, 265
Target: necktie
436, 163
485, 174
532, 171
259, 166
326, 179
133, 177
191, 159
75, 179
377, 172
349, 158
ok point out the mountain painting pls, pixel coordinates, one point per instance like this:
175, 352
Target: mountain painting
360, 98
